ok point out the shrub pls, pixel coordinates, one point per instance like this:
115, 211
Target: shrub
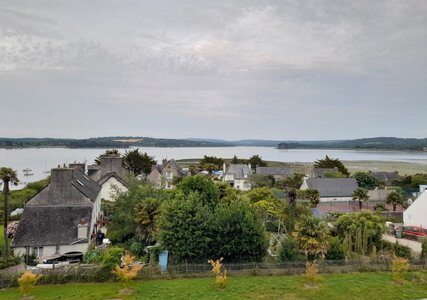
400, 267
220, 272
396, 249
93, 256
288, 250
128, 270
336, 249
311, 276
111, 257
27, 282
424, 249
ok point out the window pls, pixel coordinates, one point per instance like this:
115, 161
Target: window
37, 251
169, 175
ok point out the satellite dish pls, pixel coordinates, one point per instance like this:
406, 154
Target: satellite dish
409, 201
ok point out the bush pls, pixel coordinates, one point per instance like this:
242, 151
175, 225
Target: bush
93, 256
111, 257
128, 271
27, 282
311, 276
396, 249
220, 272
400, 267
288, 250
424, 249
336, 249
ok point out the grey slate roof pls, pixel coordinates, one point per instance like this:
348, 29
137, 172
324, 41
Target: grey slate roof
239, 171
274, 171
50, 225
386, 177
333, 187
67, 187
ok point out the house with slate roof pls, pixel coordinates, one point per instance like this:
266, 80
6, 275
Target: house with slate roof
61, 218
64, 217
277, 172
237, 175
332, 189
110, 175
386, 177
165, 175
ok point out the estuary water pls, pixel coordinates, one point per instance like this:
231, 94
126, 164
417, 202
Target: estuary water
41, 160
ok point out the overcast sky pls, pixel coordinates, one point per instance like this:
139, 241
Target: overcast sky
218, 69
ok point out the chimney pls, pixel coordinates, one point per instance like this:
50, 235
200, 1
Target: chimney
60, 183
79, 166
110, 163
82, 229
223, 168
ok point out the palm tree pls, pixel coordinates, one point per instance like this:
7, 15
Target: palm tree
361, 195
7, 175
312, 235
394, 198
146, 214
313, 195
291, 185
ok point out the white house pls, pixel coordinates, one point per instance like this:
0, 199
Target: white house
416, 213
238, 176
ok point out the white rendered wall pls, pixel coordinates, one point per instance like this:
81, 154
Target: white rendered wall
416, 214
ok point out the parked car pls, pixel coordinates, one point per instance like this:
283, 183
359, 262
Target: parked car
415, 230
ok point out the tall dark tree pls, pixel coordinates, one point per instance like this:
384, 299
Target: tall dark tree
256, 161
366, 180
328, 162
291, 185
235, 160
137, 162
7, 175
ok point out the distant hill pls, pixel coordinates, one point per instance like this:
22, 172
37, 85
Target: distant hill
379, 143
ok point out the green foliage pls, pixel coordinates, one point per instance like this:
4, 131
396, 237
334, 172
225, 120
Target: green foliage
137, 162
328, 162
111, 257
216, 163
336, 250
289, 250
349, 226
146, 214
121, 213
395, 198
204, 186
256, 161
424, 249
412, 181
93, 256
335, 174
237, 233
360, 195
312, 235
313, 196
184, 227
366, 180
260, 180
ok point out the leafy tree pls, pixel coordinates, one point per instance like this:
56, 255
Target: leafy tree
313, 196
122, 212
137, 162
292, 184
350, 224
336, 249
238, 233
361, 195
204, 186
218, 162
7, 175
366, 180
146, 215
260, 180
210, 167
184, 227
312, 235
256, 161
395, 198
328, 162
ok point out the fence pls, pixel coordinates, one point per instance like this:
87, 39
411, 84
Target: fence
96, 274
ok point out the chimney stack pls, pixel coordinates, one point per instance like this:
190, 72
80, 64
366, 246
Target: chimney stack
82, 229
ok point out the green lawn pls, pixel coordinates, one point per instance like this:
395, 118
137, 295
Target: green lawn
338, 286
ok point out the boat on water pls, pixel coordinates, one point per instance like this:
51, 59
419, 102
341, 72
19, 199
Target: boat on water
27, 170
28, 174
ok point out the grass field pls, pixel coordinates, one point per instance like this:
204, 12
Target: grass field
338, 286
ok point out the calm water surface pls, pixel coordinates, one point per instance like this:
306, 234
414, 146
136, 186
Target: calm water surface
40, 160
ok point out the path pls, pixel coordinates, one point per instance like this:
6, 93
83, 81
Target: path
414, 245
